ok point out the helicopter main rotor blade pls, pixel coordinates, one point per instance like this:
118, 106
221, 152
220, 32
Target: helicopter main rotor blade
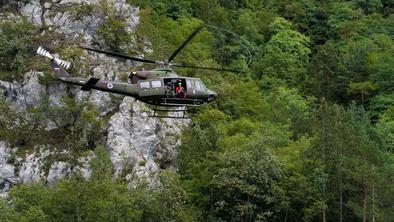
175, 53
123, 56
206, 68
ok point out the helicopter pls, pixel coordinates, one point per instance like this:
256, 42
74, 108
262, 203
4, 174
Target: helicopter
159, 87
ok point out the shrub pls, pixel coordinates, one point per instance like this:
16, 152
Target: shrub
16, 37
113, 30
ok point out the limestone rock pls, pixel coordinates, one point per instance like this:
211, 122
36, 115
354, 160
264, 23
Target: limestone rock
102, 100
25, 94
7, 176
63, 17
139, 145
58, 171
31, 170
56, 91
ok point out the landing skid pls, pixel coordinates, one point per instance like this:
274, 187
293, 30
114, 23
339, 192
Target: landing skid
168, 111
181, 102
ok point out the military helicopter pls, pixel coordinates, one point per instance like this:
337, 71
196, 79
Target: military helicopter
159, 87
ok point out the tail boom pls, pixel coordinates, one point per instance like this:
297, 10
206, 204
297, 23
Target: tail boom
104, 85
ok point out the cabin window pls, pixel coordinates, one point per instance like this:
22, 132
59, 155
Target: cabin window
156, 84
144, 85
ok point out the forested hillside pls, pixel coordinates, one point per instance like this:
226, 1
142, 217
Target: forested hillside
305, 133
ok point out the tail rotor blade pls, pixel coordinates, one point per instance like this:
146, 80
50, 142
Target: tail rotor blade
62, 63
45, 53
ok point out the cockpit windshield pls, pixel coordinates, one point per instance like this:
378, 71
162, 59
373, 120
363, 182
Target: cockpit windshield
199, 85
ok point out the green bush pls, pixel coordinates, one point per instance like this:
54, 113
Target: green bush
113, 30
16, 37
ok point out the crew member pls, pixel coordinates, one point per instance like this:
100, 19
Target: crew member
169, 90
180, 90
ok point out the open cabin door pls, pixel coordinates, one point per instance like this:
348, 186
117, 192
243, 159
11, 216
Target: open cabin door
172, 86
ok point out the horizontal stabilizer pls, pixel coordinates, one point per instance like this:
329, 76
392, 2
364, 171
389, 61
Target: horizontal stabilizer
91, 82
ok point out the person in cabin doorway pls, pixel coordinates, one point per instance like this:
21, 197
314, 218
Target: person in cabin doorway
180, 90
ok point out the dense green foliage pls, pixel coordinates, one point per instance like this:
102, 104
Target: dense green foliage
16, 37
306, 133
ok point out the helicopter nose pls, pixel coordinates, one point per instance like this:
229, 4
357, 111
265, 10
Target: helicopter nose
212, 96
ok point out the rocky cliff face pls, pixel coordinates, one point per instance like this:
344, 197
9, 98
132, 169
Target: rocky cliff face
66, 16
135, 139
139, 146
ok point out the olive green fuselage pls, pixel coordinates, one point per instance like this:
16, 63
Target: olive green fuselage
160, 91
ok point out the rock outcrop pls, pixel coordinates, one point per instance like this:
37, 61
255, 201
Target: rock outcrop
139, 146
78, 18
7, 176
25, 94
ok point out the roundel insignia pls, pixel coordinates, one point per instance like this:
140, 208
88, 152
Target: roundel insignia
110, 85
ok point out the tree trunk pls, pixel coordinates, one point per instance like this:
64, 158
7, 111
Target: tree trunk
78, 199
340, 170
323, 160
365, 204
373, 202
340, 191
327, 79
373, 194
287, 211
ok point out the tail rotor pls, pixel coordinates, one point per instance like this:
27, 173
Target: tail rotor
42, 52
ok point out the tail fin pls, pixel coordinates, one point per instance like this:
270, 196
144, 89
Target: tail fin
58, 65
59, 71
